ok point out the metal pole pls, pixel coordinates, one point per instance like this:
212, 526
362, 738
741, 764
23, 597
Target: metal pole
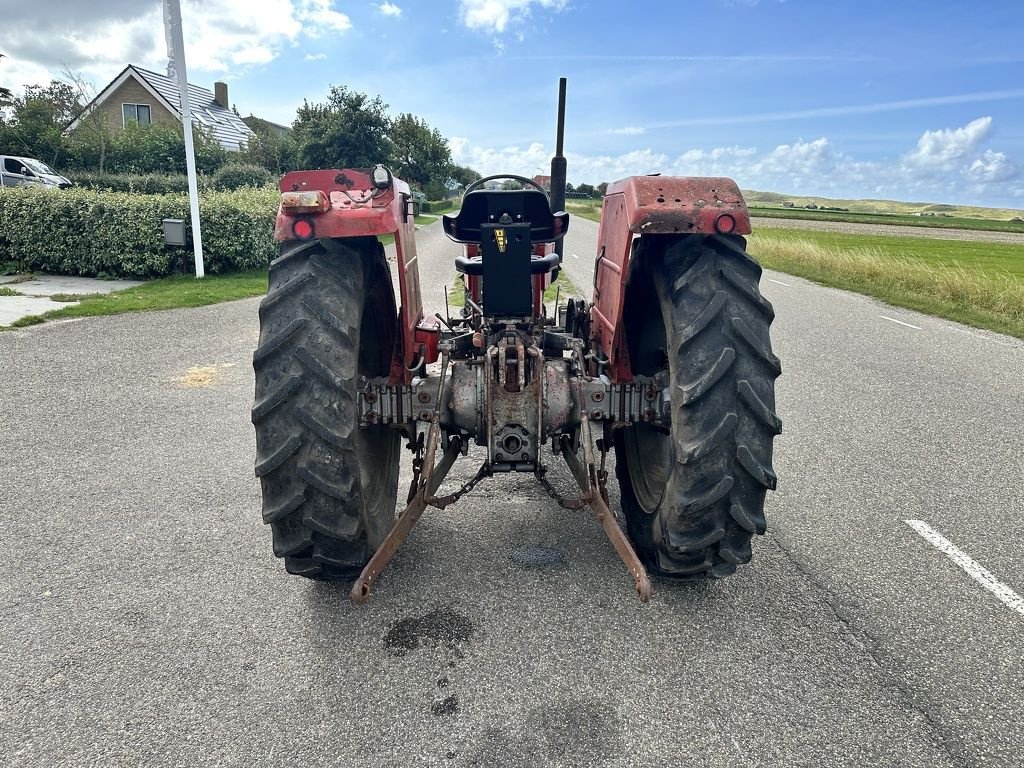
176, 62
558, 164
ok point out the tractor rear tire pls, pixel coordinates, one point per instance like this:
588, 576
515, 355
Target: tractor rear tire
693, 496
329, 487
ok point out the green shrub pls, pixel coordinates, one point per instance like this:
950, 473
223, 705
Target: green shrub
238, 176
120, 234
146, 183
437, 206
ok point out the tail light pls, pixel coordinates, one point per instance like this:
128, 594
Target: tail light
303, 229
725, 224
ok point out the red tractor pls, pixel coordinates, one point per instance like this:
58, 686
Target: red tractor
670, 365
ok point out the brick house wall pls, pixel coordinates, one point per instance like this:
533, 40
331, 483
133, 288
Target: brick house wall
130, 92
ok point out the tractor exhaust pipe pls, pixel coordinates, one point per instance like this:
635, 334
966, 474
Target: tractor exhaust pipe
558, 164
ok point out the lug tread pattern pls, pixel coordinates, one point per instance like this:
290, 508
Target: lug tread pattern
306, 414
723, 373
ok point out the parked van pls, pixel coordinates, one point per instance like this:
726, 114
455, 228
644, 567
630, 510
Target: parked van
28, 172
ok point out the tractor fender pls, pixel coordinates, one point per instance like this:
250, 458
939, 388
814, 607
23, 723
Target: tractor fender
652, 205
336, 204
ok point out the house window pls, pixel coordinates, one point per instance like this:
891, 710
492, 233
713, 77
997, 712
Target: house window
136, 113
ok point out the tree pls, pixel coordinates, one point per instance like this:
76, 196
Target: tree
420, 154
5, 93
276, 152
602, 188
464, 176
349, 130
40, 116
160, 148
587, 189
91, 138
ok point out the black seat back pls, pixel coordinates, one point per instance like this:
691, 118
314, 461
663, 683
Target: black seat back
512, 206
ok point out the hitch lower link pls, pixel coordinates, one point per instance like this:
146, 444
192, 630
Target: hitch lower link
635, 402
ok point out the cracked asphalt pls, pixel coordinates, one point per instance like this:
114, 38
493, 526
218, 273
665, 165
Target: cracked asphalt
145, 621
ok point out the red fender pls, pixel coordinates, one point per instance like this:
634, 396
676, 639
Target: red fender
652, 205
339, 204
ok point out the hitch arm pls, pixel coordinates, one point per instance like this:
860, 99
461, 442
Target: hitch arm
426, 486
586, 478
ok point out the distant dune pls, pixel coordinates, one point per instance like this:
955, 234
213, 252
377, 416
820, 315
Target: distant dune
754, 197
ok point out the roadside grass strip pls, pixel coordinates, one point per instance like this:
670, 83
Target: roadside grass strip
970, 566
979, 284
166, 293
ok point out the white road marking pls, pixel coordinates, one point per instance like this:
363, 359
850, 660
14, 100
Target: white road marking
780, 282
894, 320
974, 569
575, 256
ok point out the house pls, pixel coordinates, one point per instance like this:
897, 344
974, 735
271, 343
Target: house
544, 181
140, 96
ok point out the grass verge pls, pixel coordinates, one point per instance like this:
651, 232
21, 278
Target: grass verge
979, 284
166, 293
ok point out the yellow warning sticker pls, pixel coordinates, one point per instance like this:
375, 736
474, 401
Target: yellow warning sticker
499, 237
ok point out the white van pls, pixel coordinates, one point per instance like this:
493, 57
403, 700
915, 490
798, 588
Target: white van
28, 172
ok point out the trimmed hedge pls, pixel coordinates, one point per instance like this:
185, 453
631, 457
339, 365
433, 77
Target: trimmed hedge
116, 234
146, 183
242, 175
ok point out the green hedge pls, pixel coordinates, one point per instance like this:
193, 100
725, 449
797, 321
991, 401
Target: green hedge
437, 206
236, 176
146, 183
229, 177
118, 234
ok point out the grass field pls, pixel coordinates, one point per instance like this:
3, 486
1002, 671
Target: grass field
980, 284
942, 222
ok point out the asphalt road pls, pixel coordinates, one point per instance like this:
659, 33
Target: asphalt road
145, 621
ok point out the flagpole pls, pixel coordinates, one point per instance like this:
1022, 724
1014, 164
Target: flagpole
176, 64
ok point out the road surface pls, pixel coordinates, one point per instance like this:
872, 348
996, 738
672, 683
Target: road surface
146, 622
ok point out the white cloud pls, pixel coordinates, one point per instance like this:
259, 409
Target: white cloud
814, 166
220, 35
628, 130
389, 9
992, 167
314, 57
946, 148
495, 15
318, 17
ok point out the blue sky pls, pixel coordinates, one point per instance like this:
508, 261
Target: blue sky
908, 100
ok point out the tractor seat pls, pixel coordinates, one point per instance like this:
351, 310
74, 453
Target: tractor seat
512, 206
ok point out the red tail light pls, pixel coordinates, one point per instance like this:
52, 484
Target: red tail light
725, 223
303, 229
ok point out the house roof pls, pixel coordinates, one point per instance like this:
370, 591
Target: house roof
223, 124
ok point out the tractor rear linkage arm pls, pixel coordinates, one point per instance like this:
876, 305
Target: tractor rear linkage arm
644, 399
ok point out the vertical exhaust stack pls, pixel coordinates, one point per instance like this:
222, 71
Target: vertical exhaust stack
558, 164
